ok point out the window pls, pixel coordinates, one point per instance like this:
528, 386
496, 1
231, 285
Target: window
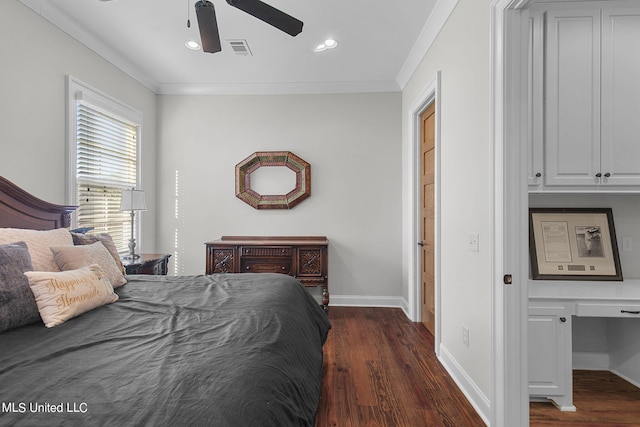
104, 154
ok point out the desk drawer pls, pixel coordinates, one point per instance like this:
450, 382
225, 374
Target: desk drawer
608, 310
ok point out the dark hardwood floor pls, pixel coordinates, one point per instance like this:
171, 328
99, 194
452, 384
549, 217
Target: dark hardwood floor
380, 370
601, 399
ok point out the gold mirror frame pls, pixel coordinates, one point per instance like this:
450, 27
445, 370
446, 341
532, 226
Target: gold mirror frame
301, 191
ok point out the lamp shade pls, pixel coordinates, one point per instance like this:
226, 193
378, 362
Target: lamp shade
133, 200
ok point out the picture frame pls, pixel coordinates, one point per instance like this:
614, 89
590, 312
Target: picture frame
573, 244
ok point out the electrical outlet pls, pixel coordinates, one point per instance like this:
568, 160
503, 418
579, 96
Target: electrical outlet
474, 242
627, 244
465, 335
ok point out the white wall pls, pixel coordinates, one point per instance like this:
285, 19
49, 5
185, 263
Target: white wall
352, 142
35, 58
461, 54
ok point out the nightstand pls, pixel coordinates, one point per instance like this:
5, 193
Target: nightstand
157, 264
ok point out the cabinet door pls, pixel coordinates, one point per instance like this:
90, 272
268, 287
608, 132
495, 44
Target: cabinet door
550, 353
221, 260
572, 92
621, 96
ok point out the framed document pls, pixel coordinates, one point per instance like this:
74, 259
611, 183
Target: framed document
573, 244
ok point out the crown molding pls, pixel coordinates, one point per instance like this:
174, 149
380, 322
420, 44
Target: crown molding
277, 88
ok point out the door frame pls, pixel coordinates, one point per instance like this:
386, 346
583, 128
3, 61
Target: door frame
509, 115
430, 95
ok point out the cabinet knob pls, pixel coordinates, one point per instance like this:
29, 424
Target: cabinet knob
538, 175
598, 175
283, 268
607, 175
248, 267
563, 319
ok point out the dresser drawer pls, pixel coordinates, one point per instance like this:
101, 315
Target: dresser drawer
267, 251
608, 310
259, 265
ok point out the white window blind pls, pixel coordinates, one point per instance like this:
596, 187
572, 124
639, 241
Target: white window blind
106, 162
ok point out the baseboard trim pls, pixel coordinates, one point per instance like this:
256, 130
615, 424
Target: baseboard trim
473, 394
369, 301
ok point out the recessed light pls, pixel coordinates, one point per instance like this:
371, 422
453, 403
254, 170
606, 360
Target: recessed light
193, 45
328, 44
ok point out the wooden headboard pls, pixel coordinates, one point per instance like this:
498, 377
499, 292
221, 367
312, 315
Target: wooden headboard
19, 209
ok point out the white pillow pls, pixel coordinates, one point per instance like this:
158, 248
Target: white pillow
63, 295
38, 242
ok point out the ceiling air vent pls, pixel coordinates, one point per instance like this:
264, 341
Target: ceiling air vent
240, 47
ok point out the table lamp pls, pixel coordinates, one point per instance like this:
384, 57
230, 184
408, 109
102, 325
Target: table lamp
132, 200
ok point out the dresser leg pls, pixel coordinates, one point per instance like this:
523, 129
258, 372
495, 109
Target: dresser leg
325, 298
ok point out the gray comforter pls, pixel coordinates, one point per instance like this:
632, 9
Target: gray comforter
221, 350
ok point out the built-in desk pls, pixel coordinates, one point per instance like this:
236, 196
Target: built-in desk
552, 304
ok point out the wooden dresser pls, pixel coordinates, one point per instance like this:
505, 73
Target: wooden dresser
303, 257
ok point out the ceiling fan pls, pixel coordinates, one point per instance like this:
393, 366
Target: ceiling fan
208, 25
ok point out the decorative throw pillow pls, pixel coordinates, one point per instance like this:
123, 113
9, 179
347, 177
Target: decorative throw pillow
17, 304
107, 241
38, 243
63, 295
72, 257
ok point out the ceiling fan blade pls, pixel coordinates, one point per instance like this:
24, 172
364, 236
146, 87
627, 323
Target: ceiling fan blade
208, 26
270, 15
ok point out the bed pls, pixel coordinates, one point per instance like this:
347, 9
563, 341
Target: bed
219, 350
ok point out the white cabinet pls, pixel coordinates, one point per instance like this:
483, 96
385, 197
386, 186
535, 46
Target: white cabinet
550, 352
552, 305
572, 97
620, 88
588, 98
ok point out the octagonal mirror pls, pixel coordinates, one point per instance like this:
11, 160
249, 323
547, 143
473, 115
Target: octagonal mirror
250, 184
